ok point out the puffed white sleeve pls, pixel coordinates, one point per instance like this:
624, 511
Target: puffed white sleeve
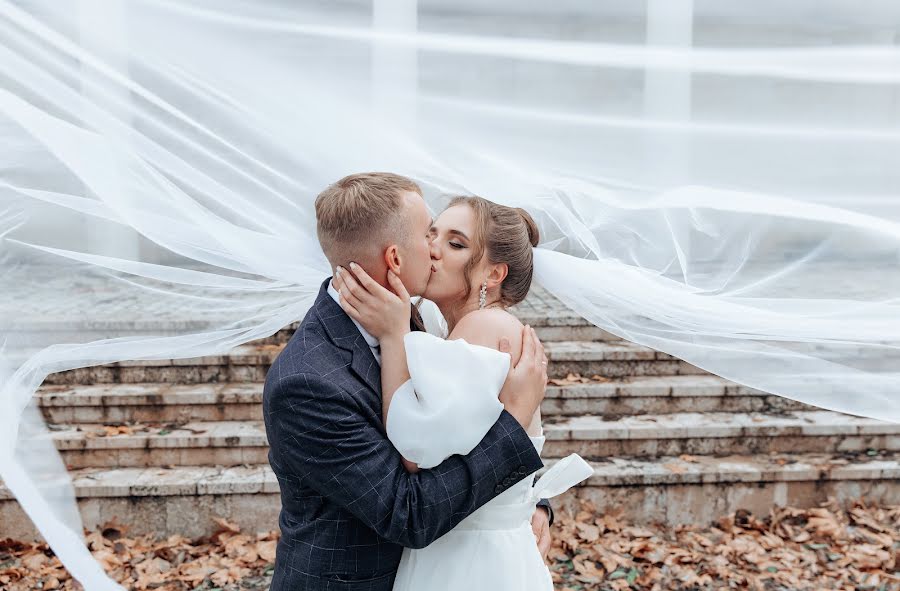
450, 401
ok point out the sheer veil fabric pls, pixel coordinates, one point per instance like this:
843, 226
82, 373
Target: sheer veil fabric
717, 180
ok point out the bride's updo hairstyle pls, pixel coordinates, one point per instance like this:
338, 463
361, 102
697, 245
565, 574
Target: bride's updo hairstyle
505, 235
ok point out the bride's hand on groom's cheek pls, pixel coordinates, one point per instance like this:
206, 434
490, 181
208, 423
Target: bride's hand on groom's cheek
382, 312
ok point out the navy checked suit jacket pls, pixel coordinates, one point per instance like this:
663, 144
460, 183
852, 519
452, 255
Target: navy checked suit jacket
348, 505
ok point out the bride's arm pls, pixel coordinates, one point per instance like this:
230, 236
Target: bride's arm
387, 320
447, 409
488, 328
394, 373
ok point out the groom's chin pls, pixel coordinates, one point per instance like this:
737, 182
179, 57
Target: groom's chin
422, 290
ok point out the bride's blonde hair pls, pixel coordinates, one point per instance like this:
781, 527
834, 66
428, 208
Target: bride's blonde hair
505, 235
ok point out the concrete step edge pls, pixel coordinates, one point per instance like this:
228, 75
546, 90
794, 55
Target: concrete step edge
781, 467
558, 350
617, 472
157, 394
689, 425
561, 317
202, 434
149, 394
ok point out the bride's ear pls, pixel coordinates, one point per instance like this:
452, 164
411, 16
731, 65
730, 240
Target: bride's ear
497, 274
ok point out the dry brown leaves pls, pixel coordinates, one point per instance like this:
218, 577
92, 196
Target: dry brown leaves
855, 548
791, 549
270, 348
576, 378
227, 559
93, 432
111, 430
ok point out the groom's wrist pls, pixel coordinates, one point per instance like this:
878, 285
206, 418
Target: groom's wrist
545, 505
521, 413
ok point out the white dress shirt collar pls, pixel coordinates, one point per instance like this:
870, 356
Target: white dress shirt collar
370, 340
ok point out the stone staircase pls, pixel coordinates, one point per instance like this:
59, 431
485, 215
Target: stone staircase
164, 446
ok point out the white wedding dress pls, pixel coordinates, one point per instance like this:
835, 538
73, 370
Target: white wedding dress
446, 408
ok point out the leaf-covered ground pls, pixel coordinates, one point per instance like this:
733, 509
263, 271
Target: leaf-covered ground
227, 560
790, 549
853, 548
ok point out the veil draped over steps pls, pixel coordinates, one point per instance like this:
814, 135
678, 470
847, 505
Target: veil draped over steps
716, 180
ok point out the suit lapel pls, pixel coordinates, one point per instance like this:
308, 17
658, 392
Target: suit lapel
365, 366
344, 334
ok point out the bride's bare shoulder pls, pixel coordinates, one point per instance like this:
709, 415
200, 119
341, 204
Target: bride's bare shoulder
486, 327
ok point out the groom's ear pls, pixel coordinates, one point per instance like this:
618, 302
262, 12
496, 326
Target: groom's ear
392, 258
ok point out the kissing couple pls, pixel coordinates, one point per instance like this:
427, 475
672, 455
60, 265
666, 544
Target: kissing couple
405, 437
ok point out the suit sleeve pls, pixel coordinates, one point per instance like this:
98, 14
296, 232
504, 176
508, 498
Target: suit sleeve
324, 439
545, 503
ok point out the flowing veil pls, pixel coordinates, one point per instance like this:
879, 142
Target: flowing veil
717, 180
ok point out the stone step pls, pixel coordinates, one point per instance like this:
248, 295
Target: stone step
613, 398
668, 490
162, 501
613, 360
112, 404
551, 326
700, 489
717, 433
246, 363
556, 327
223, 443
249, 363
231, 443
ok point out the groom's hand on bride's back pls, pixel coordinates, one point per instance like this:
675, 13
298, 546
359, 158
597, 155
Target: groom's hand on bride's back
526, 382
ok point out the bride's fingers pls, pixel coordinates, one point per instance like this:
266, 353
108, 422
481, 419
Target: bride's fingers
344, 288
347, 296
397, 285
351, 311
365, 281
352, 287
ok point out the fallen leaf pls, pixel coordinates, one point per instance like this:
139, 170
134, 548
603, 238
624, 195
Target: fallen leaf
227, 525
675, 468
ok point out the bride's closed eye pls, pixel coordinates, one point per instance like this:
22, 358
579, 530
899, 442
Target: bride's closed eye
432, 233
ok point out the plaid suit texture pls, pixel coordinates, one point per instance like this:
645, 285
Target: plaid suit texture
348, 505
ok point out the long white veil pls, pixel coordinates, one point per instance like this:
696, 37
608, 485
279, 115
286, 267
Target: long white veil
719, 180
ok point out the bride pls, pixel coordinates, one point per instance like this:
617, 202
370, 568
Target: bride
440, 392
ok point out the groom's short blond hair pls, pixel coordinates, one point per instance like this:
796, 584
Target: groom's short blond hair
360, 215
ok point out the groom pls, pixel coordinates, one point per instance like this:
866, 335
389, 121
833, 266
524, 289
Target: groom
349, 507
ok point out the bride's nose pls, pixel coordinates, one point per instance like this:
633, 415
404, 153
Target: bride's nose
435, 251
